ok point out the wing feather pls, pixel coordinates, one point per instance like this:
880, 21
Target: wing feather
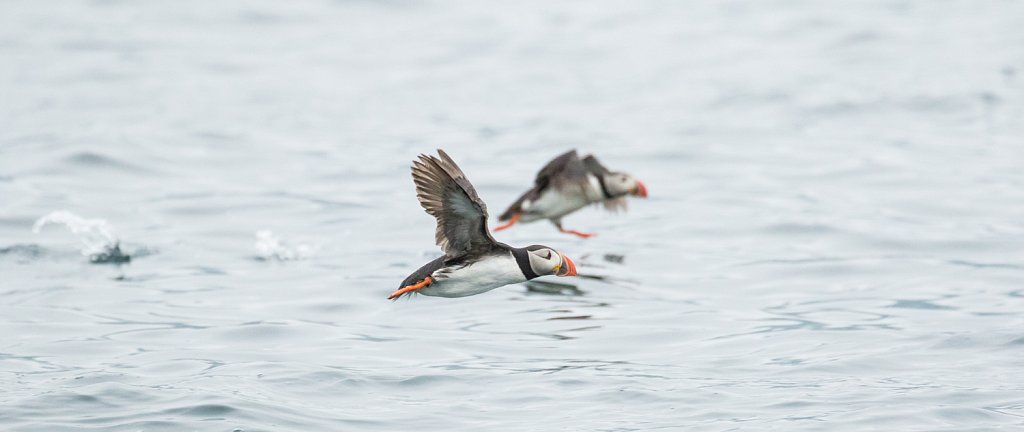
594, 166
445, 193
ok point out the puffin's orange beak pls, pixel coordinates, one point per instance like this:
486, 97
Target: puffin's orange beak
568, 268
640, 190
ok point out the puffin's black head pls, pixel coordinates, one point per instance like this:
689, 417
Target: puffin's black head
547, 261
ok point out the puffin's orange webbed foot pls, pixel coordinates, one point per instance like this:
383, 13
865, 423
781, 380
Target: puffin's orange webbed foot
410, 288
512, 221
578, 233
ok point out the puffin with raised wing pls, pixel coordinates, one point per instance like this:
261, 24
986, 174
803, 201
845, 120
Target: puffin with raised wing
569, 183
473, 262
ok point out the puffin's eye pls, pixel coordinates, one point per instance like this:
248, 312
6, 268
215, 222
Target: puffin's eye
547, 254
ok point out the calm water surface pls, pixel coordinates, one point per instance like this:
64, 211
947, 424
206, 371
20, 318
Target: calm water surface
834, 238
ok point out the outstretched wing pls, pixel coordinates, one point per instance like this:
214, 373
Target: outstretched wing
593, 166
564, 169
445, 193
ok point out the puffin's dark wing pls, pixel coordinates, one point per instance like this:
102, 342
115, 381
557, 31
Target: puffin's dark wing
445, 193
558, 166
593, 166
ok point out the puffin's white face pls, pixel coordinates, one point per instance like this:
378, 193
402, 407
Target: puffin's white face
619, 184
547, 261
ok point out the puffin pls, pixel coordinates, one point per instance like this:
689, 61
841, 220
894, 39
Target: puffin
473, 262
569, 183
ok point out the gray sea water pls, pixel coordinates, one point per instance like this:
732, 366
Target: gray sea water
834, 238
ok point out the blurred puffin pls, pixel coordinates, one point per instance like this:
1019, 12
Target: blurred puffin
473, 262
567, 184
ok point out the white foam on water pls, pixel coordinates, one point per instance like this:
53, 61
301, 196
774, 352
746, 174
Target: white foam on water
269, 246
96, 235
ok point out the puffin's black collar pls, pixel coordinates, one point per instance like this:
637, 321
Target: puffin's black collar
604, 188
523, 259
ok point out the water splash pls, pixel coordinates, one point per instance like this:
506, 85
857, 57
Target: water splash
96, 236
269, 246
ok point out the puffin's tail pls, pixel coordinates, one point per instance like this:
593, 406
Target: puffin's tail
514, 209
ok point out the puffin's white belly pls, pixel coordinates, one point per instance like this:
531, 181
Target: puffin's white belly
552, 204
482, 276
555, 203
